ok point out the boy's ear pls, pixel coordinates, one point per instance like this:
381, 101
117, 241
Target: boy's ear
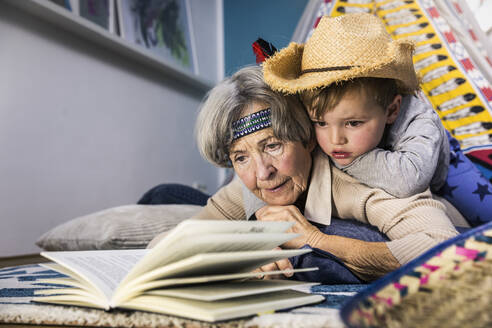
393, 110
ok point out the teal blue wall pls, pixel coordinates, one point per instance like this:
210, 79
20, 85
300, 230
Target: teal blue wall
247, 20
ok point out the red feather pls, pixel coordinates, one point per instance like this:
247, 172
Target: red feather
262, 49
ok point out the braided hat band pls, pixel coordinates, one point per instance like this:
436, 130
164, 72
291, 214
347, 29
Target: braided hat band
252, 123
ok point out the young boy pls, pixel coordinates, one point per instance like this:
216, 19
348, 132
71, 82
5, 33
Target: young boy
358, 86
350, 120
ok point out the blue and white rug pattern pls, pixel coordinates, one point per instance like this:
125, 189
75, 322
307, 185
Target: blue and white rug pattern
18, 284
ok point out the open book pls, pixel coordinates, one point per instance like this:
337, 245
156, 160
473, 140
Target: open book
201, 270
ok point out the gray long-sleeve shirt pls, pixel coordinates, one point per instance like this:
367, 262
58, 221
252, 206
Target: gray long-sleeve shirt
413, 155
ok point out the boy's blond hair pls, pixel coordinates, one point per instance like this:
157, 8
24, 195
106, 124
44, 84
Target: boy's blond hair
322, 100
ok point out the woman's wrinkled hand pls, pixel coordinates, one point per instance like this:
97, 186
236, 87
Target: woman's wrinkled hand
283, 264
309, 234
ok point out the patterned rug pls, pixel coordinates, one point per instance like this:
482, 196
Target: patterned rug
18, 284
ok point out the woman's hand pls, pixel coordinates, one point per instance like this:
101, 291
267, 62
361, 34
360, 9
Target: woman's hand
283, 264
309, 233
368, 260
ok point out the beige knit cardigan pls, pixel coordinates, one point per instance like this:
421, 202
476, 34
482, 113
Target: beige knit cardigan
413, 224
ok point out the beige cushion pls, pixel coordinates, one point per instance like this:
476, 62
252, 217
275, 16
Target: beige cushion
130, 226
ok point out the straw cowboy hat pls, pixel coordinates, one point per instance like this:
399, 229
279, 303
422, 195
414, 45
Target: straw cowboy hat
342, 48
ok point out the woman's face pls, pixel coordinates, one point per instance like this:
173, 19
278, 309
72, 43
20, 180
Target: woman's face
276, 171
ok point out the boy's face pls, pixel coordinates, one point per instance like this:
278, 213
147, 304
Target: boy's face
353, 127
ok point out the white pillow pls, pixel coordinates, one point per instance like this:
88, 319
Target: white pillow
129, 226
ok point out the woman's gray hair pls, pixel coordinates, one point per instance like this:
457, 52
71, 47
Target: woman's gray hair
225, 102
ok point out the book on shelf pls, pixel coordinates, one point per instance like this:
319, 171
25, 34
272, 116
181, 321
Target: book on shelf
202, 269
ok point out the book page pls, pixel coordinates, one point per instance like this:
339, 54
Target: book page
104, 270
223, 309
74, 279
188, 246
221, 263
212, 278
224, 290
207, 264
185, 236
210, 243
72, 299
135, 290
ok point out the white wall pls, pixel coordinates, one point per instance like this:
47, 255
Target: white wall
83, 128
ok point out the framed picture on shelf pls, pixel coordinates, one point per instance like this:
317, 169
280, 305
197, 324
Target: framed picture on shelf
100, 12
70, 5
164, 27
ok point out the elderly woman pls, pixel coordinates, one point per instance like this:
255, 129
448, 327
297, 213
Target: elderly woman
268, 139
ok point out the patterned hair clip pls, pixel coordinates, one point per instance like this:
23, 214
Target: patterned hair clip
252, 123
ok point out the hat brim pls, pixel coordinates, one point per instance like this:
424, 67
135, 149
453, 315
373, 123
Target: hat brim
282, 71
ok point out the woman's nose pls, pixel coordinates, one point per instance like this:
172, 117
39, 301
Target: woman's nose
264, 168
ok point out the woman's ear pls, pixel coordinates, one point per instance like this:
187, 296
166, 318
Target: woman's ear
393, 109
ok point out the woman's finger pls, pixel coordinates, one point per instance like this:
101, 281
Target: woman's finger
266, 268
285, 264
277, 212
301, 225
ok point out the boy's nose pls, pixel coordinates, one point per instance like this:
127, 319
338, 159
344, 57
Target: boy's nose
337, 137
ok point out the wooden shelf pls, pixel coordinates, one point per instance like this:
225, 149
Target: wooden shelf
65, 19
